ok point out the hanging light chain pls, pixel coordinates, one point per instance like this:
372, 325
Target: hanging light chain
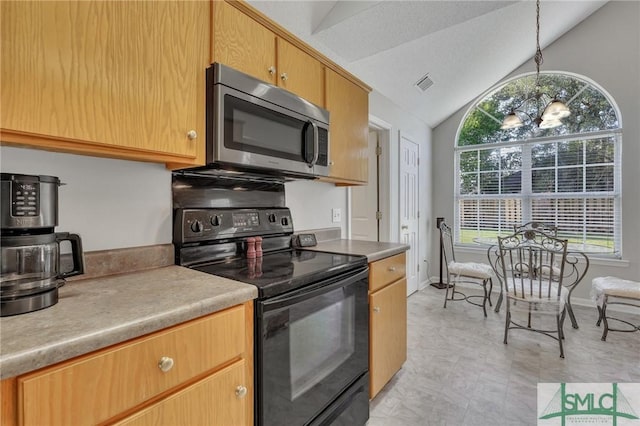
538, 56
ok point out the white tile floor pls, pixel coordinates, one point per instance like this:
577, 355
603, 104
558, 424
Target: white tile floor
459, 372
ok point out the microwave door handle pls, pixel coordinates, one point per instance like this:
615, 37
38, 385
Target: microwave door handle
316, 145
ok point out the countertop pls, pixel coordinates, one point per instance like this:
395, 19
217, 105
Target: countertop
98, 312
372, 249
95, 313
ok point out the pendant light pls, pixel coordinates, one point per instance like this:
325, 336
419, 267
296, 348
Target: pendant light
553, 111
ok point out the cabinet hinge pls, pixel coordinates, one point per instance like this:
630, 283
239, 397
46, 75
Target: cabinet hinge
378, 215
378, 150
418, 268
418, 214
418, 161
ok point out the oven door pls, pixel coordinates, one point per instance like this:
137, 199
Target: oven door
252, 132
311, 346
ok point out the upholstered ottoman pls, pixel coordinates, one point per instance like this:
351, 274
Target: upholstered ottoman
606, 291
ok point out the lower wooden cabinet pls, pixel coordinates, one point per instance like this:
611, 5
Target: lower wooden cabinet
198, 372
387, 320
219, 399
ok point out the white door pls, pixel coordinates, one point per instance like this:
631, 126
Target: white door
409, 196
364, 199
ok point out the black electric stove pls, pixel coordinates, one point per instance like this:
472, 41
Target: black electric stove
284, 271
311, 317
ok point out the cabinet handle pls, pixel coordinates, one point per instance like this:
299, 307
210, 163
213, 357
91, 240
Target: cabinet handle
404, 227
192, 134
376, 309
165, 364
331, 163
392, 268
284, 76
272, 70
241, 391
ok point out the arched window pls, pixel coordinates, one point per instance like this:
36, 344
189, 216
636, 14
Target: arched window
567, 176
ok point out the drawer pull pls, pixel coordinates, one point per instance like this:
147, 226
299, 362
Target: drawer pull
241, 391
392, 268
165, 364
376, 309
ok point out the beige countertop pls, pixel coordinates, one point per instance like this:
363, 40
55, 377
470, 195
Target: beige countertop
98, 312
372, 249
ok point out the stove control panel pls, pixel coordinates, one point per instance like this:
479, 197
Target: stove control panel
200, 225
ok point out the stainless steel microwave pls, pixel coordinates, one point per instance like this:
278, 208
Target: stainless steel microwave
255, 126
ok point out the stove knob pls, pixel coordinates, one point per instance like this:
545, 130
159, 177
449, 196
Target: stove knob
285, 221
272, 218
215, 220
196, 226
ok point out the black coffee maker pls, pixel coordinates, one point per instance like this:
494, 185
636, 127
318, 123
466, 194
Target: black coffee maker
30, 272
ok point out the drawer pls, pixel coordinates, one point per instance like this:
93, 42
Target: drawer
386, 271
194, 405
98, 386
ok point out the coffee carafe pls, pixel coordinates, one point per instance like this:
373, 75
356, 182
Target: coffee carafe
30, 272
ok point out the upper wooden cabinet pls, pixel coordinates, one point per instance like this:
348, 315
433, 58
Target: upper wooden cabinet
243, 43
118, 79
348, 105
300, 73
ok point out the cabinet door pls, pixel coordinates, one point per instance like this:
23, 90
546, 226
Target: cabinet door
349, 108
104, 74
98, 386
388, 333
300, 73
219, 399
242, 43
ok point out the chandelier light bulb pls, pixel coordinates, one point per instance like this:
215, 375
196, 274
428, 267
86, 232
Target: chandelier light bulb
511, 121
550, 123
556, 110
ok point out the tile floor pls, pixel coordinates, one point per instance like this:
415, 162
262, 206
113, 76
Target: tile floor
458, 371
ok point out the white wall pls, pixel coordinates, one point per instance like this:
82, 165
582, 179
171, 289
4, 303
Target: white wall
605, 48
311, 203
404, 123
110, 203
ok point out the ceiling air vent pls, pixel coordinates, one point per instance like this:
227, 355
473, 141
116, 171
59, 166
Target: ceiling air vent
424, 83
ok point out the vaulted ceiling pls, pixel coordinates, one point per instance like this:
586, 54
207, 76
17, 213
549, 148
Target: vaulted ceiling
464, 47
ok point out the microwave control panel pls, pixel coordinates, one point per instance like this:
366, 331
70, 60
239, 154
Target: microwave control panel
199, 225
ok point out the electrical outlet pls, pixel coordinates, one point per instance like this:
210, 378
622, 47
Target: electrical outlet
336, 215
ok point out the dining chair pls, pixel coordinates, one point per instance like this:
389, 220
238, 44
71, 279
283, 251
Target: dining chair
537, 226
464, 272
576, 266
532, 268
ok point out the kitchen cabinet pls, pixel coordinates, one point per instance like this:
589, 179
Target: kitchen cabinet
348, 105
243, 43
198, 372
115, 79
387, 320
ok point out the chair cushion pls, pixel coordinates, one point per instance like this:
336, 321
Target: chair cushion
471, 269
542, 304
601, 284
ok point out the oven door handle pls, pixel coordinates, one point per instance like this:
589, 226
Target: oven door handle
312, 291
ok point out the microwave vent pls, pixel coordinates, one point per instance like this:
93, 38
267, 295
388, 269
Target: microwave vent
424, 83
